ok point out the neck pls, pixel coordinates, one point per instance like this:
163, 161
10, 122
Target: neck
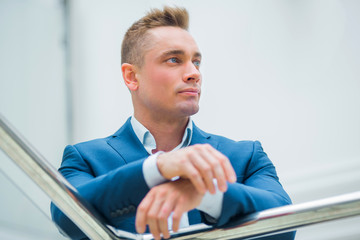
168, 133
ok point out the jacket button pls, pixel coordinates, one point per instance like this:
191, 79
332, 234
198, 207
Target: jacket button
119, 212
113, 214
132, 208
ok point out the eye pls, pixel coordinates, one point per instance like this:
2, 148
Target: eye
197, 63
173, 60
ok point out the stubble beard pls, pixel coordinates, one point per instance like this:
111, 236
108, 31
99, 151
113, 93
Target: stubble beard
189, 110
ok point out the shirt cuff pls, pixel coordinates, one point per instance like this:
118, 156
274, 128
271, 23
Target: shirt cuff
151, 172
211, 204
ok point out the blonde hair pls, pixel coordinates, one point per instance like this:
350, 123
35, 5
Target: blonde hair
136, 38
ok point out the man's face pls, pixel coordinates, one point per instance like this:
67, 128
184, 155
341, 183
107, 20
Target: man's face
169, 81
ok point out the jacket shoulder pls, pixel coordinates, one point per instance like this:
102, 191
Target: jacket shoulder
89, 147
225, 142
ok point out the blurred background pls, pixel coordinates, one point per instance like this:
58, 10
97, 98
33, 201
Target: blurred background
283, 72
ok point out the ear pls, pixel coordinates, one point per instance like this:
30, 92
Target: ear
129, 75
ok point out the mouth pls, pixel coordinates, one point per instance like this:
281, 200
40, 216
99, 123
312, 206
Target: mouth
190, 91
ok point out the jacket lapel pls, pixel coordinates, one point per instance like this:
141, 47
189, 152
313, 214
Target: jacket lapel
126, 143
201, 137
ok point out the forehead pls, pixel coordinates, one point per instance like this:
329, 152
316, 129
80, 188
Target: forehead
163, 39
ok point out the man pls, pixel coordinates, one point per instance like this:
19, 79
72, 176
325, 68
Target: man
160, 170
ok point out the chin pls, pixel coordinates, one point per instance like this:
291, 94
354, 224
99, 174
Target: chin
190, 110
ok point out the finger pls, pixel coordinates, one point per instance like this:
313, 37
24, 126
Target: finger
202, 165
217, 169
141, 213
194, 176
178, 212
154, 228
228, 168
164, 214
221, 180
163, 228
153, 218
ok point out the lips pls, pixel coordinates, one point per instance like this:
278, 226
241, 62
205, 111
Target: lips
190, 91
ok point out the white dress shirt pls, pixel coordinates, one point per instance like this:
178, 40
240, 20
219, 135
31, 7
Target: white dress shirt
210, 204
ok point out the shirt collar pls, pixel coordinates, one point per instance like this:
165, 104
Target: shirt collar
148, 140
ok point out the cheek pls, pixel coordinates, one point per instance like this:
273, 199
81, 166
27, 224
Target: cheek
164, 81
160, 82
163, 77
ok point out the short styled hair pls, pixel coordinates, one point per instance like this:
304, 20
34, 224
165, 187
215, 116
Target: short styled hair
137, 38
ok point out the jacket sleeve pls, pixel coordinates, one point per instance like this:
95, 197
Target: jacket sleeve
257, 190
111, 194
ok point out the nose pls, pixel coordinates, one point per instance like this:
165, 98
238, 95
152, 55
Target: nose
192, 73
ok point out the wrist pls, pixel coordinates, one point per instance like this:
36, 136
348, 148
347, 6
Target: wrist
151, 173
160, 161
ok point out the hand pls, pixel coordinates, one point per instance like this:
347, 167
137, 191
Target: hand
200, 163
178, 197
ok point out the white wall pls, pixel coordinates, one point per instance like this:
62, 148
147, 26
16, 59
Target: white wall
283, 72
32, 98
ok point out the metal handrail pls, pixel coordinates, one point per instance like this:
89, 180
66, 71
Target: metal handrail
51, 182
287, 218
262, 223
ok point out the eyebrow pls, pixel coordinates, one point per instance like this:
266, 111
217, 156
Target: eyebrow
178, 52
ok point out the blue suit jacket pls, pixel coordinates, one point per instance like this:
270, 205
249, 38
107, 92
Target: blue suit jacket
108, 174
